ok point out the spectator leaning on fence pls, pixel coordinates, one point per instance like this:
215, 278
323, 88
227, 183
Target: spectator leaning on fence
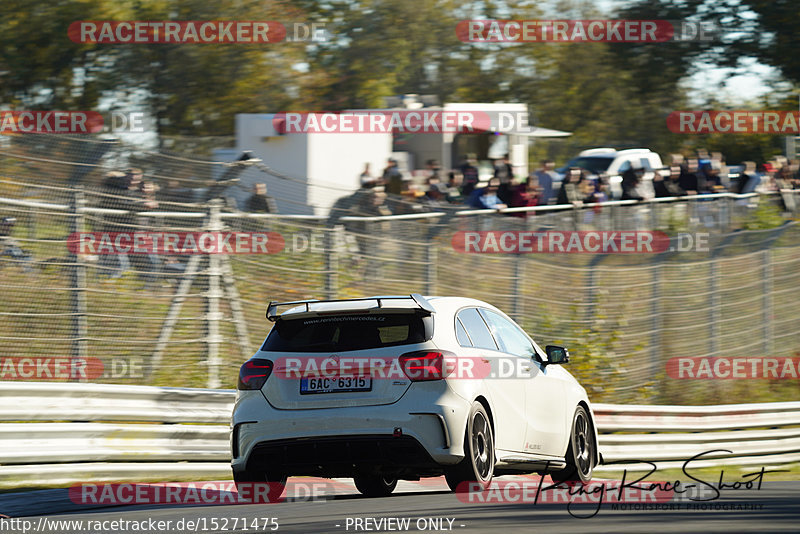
486, 197
669, 186
570, 188
544, 177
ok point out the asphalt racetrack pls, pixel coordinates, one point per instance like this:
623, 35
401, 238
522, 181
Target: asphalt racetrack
773, 508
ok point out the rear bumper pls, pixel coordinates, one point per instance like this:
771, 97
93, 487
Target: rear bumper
342, 456
339, 440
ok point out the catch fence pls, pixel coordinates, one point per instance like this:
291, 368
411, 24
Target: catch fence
190, 320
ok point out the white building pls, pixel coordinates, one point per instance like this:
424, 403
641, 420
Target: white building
322, 166
325, 166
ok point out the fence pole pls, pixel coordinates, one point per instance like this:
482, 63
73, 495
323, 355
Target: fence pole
766, 291
78, 304
431, 260
331, 263
713, 297
213, 296
655, 310
516, 290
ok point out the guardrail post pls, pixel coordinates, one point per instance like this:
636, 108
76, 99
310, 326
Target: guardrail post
331, 264
78, 305
213, 315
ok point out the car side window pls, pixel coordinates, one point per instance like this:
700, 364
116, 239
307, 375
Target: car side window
461, 334
509, 336
477, 329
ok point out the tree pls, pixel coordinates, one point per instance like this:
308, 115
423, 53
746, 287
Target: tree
39, 66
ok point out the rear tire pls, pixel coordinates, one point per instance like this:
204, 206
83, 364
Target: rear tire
244, 481
477, 467
375, 485
581, 451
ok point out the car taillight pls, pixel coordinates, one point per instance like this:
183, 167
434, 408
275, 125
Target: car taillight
424, 365
254, 373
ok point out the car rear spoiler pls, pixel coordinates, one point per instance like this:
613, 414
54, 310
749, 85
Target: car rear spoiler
422, 302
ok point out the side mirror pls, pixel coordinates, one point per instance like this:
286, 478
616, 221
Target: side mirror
556, 354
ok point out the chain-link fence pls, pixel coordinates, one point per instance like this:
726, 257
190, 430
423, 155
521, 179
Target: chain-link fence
191, 319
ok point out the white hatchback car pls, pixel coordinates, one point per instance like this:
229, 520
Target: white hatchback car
403, 387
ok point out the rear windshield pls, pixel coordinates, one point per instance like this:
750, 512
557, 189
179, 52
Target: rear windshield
347, 332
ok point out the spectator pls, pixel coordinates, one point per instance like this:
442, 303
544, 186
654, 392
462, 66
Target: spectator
748, 179
366, 176
175, 193
454, 181
570, 188
486, 197
260, 202
631, 179
9, 247
392, 178
783, 182
436, 195
470, 179
120, 191
544, 177
689, 180
434, 170
767, 183
503, 170
669, 186
505, 192
368, 201
525, 195
597, 191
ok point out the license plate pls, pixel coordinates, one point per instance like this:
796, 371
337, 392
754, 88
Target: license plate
335, 384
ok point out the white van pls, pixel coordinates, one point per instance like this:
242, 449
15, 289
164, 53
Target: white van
614, 162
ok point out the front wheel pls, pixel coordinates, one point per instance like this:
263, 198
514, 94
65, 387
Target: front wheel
477, 468
581, 451
375, 485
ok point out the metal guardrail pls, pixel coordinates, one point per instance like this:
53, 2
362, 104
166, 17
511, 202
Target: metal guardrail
57, 433
407, 216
